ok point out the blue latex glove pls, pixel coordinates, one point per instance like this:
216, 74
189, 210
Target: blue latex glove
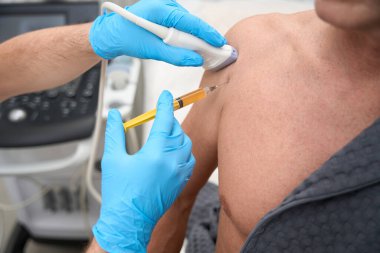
111, 35
138, 189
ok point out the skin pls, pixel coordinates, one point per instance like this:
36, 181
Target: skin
301, 89
350, 14
40, 54
94, 247
305, 98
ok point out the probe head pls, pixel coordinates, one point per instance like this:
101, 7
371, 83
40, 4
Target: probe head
227, 60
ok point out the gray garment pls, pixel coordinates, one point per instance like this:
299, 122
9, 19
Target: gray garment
336, 209
202, 227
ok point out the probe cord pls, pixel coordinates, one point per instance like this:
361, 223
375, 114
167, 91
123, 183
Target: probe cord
95, 139
132, 134
98, 123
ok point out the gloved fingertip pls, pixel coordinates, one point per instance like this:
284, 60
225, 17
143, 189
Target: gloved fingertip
114, 116
165, 99
114, 124
164, 116
115, 135
218, 40
112, 111
223, 41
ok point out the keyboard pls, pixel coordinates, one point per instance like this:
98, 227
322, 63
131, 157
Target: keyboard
57, 115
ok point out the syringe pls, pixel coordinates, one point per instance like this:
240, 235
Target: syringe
178, 103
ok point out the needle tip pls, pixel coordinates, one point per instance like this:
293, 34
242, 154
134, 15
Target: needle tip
211, 88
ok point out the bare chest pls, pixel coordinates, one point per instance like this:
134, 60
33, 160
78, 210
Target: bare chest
271, 138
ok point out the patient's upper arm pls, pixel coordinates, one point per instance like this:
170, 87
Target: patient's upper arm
202, 122
201, 125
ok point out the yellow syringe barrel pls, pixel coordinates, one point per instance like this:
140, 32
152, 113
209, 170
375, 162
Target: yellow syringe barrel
178, 103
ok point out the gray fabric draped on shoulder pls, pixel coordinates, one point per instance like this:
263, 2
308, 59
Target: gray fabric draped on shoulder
336, 209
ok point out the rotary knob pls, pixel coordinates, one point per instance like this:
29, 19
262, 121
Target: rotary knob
17, 115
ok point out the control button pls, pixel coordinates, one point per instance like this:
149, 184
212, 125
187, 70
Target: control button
17, 115
37, 99
31, 105
64, 103
84, 100
24, 99
73, 104
65, 111
89, 85
52, 93
45, 105
87, 93
70, 93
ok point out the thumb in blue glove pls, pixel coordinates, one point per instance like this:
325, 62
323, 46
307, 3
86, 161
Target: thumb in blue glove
111, 35
138, 189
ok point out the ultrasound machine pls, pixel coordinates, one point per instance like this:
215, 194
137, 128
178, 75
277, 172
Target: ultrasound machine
46, 136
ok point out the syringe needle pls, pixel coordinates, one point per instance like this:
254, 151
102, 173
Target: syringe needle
210, 88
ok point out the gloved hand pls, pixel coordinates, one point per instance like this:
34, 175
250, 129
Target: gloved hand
111, 35
138, 189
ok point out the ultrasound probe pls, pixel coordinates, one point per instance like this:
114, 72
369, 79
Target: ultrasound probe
215, 58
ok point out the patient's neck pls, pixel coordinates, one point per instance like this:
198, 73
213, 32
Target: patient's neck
367, 45
358, 52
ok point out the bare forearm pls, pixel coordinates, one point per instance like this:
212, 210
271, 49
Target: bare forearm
94, 247
44, 59
170, 231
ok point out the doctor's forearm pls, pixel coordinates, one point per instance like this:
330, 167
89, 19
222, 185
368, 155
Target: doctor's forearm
170, 231
94, 247
44, 59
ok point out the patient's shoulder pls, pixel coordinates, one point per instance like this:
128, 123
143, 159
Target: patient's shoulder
275, 50
258, 37
261, 36
270, 47
273, 24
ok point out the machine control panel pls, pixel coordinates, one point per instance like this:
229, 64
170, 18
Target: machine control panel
57, 115
73, 100
60, 114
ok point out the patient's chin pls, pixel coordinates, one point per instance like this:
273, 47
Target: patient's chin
348, 16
